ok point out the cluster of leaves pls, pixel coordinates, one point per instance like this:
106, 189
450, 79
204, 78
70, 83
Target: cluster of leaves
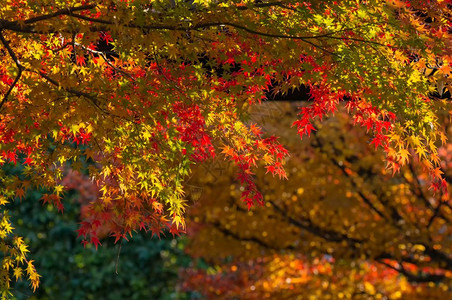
138, 269
143, 90
343, 225
13, 249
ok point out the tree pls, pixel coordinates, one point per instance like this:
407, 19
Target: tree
341, 226
140, 91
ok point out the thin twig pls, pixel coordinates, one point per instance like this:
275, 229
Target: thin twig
18, 64
93, 99
102, 54
117, 256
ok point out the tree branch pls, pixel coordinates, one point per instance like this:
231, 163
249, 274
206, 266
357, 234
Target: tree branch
77, 93
329, 235
440, 257
427, 277
70, 12
27, 27
360, 193
255, 240
61, 12
102, 54
420, 192
19, 67
436, 213
208, 25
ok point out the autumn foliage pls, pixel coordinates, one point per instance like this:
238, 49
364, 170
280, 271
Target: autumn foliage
135, 93
341, 227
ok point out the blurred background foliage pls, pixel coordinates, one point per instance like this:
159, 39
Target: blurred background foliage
341, 227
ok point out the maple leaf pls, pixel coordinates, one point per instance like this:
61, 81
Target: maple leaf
95, 240
17, 273
81, 60
20, 193
376, 141
437, 173
228, 151
255, 130
403, 156
28, 161
445, 69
